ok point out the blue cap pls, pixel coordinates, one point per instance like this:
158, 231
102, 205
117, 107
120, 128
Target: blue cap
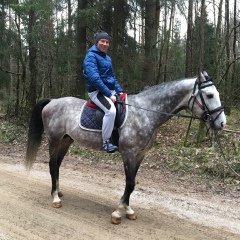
101, 35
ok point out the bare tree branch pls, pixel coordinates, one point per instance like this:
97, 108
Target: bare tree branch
6, 71
233, 131
228, 69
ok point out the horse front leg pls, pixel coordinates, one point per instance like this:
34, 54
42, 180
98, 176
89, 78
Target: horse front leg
123, 206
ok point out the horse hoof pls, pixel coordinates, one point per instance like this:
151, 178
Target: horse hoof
132, 216
115, 220
57, 204
60, 194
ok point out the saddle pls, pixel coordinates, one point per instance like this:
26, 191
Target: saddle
92, 116
119, 110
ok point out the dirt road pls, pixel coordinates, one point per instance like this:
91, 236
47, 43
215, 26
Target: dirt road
165, 209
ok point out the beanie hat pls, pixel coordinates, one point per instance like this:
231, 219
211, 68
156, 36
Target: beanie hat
101, 35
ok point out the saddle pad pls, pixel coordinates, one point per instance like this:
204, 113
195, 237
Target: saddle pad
88, 118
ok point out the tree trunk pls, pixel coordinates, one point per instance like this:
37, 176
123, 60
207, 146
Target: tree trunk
149, 65
200, 134
234, 85
32, 57
217, 37
70, 83
157, 16
21, 81
167, 40
117, 5
226, 94
188, 63
49, 53
81, 49
12, 64
202, 35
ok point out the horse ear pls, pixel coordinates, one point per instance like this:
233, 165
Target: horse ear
205, 74
201, 77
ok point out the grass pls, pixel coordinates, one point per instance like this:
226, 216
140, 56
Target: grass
11, 132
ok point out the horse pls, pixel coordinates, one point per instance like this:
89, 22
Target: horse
147, 111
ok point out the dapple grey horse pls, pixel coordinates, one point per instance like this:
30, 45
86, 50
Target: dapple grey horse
60, 120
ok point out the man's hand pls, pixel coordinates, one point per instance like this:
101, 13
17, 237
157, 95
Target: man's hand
113, 98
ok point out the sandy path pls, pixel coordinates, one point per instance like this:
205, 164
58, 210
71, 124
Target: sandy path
90, 195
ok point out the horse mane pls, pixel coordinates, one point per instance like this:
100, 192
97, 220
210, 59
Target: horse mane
148, 89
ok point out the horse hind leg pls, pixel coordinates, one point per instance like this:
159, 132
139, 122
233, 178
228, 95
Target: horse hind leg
65, 144
57, 153
53, 167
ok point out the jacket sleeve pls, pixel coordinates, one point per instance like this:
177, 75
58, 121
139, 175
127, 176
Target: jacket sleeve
118, 88
91, 73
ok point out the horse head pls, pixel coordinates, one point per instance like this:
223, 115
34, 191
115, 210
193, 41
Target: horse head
205, 102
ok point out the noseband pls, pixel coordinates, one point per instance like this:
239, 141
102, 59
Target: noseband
207, 115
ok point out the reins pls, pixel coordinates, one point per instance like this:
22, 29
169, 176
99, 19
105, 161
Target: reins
164, 113
224, 157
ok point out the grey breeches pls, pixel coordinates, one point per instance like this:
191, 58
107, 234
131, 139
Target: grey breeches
109, 109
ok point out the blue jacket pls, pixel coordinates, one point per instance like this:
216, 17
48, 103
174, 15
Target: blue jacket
99, 73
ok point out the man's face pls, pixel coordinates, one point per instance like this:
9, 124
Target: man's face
103, 45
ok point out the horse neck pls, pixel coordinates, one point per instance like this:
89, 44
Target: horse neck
169, 97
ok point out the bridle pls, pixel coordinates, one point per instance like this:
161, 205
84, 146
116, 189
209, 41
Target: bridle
207, 113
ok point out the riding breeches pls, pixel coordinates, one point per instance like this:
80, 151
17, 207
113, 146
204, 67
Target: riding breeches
109, 109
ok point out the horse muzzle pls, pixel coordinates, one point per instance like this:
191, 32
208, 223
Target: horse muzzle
216, 118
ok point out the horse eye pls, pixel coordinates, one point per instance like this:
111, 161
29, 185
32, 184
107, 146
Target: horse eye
209, 95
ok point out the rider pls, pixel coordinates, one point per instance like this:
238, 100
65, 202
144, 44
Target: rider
102, 84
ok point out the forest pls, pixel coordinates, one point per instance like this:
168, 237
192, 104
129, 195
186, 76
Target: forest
43, 44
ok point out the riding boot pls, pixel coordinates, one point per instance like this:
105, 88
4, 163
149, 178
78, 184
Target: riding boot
109, 147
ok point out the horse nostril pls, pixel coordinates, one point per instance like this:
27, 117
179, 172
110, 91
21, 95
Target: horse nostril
223, 124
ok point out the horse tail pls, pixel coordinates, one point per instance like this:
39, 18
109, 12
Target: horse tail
35, 132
